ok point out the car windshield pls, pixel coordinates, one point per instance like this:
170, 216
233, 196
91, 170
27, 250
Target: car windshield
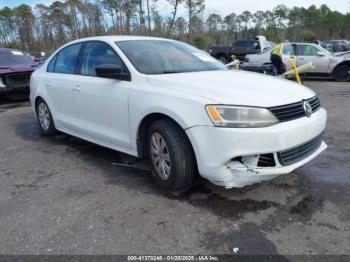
14, 57
324, 50
167, 57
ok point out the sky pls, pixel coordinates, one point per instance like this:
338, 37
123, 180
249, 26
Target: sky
224, 7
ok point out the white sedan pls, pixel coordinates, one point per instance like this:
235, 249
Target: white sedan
174, 104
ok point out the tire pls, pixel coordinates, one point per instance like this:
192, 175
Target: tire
179, 163
341, 73
44, 117
223, 60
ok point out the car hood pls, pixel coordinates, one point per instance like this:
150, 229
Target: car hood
234, 87
4, 70
342, 53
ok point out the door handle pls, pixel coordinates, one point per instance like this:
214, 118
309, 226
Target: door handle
301, 58
76, 89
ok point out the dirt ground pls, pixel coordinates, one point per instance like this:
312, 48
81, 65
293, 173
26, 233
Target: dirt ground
62, 195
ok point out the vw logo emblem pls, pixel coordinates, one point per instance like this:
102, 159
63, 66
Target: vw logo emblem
307, 109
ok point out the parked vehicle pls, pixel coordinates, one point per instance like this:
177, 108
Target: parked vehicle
15, 70
259, 63
336, 66
181, 108
240, 49
336, 46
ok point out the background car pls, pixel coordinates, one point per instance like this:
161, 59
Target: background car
336, 66
240, 49
15, 70
336, 46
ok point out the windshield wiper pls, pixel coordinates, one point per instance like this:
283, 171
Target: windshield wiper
170, 72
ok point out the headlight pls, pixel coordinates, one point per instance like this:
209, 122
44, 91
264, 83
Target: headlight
2, 85
240, 116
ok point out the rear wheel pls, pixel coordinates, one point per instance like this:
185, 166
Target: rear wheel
171, 156
341, 73
45, 118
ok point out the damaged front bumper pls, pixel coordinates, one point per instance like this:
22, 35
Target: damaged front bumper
237, 157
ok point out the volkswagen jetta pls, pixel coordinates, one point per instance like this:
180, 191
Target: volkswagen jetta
176, 105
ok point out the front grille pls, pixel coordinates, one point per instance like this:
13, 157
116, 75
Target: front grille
294, 111
17, 81
298, 153
266, 160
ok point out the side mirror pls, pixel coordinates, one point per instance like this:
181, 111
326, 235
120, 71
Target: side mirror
111, 71
319, 53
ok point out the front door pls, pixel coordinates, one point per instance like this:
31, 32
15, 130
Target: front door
101, 104
309, 53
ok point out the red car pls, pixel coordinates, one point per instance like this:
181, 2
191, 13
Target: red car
15, 70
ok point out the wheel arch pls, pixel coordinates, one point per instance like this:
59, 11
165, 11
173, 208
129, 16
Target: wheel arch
36, 102
143, 127
346, 62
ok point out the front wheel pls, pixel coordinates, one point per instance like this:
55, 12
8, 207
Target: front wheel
341, 73
45, 118
171, 156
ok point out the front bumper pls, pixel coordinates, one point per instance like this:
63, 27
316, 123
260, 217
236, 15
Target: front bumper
14, 90
217, 149
15, 83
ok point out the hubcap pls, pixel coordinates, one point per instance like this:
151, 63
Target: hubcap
160, 156
44, 116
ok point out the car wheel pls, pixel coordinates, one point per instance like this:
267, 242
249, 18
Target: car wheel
341, 73
171, 155
45, 118
223, 60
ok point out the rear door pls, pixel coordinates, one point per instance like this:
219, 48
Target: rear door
288, 53
59, 83
307, 53
101, 104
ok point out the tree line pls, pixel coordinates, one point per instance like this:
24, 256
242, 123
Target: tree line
46, 27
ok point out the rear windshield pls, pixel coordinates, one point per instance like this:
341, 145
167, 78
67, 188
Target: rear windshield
12, 58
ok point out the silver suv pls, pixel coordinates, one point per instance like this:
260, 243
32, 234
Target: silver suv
326, 64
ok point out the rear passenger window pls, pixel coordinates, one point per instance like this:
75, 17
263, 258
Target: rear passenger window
67, 59
96, 54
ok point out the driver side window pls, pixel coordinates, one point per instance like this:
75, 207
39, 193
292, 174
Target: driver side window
96, 54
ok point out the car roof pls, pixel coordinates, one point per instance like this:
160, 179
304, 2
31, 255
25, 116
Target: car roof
118, 38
